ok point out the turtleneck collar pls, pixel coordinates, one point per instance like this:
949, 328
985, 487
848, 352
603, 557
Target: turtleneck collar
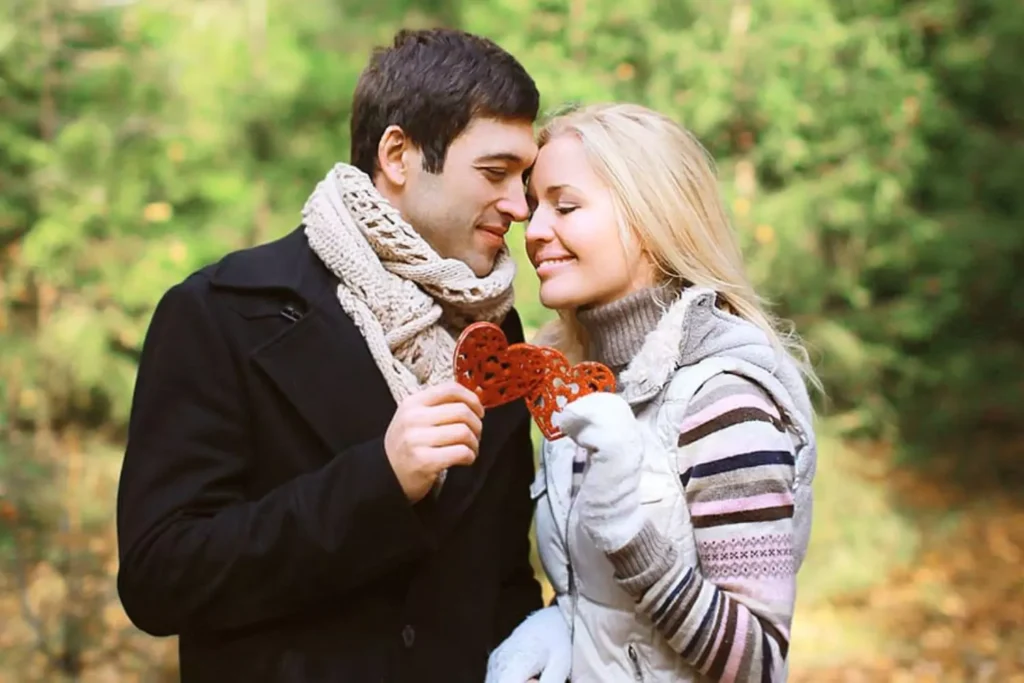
616, 331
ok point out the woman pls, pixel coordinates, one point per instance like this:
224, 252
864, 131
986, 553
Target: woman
673, 517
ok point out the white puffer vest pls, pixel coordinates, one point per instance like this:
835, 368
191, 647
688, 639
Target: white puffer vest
693, 342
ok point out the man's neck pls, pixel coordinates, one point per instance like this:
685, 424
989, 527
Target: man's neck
387, 191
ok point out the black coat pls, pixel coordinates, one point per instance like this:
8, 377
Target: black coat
258, 516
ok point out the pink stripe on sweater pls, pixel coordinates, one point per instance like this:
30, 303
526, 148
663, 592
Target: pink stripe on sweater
739, 643
724, 405
723, 507
764, 589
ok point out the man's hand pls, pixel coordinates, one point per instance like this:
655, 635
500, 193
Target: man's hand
431, 431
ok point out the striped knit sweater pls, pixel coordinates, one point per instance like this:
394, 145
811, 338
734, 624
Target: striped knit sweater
729, 617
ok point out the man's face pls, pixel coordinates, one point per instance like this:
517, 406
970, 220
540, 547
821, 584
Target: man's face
465, 211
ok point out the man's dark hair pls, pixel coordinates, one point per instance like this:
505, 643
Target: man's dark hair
432, 83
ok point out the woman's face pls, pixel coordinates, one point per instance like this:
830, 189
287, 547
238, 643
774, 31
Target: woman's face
572, 238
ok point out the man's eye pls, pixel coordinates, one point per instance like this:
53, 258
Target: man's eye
495, 173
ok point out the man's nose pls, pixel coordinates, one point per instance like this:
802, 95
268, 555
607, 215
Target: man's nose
514, 203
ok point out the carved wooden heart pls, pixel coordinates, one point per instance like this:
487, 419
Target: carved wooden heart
497, 372
564, 383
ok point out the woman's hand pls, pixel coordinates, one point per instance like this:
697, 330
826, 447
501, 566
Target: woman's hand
609, 499
540, 646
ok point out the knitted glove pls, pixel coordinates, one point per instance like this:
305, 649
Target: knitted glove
539, 645
609, 499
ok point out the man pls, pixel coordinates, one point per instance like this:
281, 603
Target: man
306, 494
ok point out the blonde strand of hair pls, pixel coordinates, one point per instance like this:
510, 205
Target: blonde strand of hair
665, 189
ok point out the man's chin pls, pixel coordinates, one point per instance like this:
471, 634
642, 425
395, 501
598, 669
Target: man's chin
482, 264
480, 267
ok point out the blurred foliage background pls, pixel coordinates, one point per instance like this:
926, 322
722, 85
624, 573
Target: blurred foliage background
871, 152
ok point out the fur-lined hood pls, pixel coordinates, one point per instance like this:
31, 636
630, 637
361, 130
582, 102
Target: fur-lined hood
694, 329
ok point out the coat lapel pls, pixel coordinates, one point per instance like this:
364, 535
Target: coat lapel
323, 372
321, 364
313, 353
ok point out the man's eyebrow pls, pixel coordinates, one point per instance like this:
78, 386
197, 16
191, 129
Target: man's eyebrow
501, 156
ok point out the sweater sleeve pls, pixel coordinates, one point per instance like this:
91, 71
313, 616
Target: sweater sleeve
729, 616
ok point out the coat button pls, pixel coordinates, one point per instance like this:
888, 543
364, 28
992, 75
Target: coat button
408, 635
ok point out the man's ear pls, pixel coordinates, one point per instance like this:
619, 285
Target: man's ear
393, 155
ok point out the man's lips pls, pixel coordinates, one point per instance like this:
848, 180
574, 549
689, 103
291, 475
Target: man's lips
498, 230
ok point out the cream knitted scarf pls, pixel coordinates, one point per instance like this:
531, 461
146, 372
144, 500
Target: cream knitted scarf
407, 301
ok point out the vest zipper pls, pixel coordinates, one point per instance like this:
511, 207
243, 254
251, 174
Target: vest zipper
638, 673
569, 568
571, 576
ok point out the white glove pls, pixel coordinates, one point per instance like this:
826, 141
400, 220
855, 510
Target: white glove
609, 499
539, 645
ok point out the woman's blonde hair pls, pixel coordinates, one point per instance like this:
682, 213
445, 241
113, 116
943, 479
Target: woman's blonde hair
665, 192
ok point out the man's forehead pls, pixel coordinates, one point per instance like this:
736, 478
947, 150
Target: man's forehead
498, 140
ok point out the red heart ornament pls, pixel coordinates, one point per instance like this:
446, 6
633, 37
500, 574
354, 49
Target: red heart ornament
498, 373
564, 383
